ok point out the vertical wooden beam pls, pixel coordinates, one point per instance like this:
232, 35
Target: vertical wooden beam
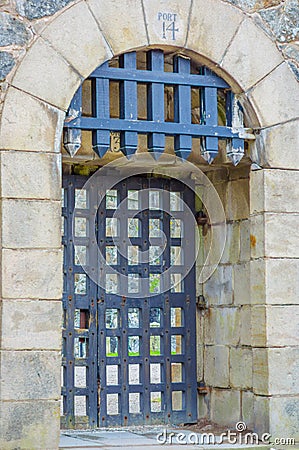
182, 108
128, 105
101, 110
155, 103
210, 150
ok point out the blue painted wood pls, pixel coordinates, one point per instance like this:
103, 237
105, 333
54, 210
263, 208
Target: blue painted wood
182, 108
128, 105
97, 301
147, 76
155, 126
144, 127
211, 118
155, 103
101, 110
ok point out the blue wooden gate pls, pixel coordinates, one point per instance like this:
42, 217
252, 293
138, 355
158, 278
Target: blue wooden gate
129, 338
129, 352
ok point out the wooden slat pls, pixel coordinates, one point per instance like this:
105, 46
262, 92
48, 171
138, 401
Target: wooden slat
211, 119
128, 105
101, 110
182, 109
144, 127
148, 76
155, 103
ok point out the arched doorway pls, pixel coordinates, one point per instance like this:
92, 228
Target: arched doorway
129, 328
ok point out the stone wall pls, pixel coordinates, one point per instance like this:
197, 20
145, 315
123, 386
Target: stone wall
225, 358
21, 21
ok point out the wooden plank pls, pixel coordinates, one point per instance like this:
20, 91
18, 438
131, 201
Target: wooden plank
182, 108
211, 119
148, 76
155, 103
101, 110
144, 127
128, 105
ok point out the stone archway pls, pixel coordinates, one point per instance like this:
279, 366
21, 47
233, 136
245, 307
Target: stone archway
66, 51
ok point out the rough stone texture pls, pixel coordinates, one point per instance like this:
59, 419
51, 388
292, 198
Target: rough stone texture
268, 366
223, 326
30, 425
284, 417
218, 289
283, 325
240, 369
261, 414
7, 62
237, 207
231, 252
278, 146
35, 9
225, 407
12, 31
31, 324
257, 236
154, 21
271, 106
33, 374
87, 49
39, 175
294, 68
31, 274
240, 59
216, 368
207, 23
282, 289
283, 21
35, 76
275, 326
268, 193
282, 235
31, 224
258, 326
41, 124
121, 35
242, 284
245, 240
247, 408
257, 281
245, 319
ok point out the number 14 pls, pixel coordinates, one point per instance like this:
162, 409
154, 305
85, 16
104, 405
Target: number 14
171, 28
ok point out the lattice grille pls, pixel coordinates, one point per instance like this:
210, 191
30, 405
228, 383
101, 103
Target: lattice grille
129, 83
